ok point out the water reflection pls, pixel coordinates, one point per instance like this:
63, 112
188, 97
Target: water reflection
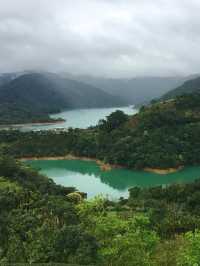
88, 177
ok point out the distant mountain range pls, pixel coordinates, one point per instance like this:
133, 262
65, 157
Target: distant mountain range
137, 90
31, 97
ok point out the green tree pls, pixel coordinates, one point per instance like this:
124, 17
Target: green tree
190, 253
122, 241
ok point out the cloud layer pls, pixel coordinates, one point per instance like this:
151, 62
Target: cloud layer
113, 38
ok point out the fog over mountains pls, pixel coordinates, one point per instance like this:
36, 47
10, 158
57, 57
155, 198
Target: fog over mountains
113, 39
31, 97
133, 91
136, 90
116, 53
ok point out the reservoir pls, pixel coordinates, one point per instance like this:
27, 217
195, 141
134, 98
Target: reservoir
80, 118
87, 177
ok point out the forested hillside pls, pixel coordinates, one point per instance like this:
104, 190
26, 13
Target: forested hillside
163, 135
32, 97
190, 86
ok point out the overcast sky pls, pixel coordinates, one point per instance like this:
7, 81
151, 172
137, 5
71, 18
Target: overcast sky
113, 38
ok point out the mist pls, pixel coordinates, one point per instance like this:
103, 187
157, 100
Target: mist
109, 38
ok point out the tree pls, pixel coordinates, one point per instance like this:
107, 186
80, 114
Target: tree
113, 121
122, 241
190, 253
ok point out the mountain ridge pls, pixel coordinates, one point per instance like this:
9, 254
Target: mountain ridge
189, 86
30, 96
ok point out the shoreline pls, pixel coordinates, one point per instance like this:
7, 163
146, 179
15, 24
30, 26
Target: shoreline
103, 166
163, 171
33, 124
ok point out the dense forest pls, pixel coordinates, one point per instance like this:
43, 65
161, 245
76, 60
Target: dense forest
159, 136
41, 222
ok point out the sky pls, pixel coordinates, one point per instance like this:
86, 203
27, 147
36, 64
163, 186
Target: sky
110, 38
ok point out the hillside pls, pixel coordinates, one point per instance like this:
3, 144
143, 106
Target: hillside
162, 136
82, 95
7, 77
32, 97
190, 86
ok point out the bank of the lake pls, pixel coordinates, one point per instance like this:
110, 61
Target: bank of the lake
33, 124
102, 165
87, 176
163, 171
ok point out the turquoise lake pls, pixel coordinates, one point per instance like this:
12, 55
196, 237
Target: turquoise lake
80, 118
87, 177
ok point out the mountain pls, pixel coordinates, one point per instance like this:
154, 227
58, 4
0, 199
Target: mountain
190, 86
30, 97
135, 90
7, 77
82, 95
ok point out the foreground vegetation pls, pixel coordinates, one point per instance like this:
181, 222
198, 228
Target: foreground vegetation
159, 136
41, 222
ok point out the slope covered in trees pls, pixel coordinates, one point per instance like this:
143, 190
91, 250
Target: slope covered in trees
38, 221
190, 86
164, 135
31, 97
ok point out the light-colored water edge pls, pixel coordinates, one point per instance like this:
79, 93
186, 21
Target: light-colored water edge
75, 118
104, 166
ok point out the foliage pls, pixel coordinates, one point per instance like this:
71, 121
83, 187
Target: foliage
122, 241
37, 222
190, 252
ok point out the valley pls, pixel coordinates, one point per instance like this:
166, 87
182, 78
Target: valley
94, 176
99, 133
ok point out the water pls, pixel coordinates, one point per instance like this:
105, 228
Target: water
87, 177
81, 118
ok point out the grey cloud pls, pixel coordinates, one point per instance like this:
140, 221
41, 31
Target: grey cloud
104, 38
